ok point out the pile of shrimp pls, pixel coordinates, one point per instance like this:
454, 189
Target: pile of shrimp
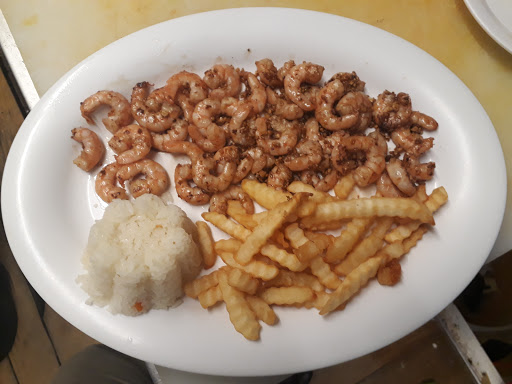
275, 125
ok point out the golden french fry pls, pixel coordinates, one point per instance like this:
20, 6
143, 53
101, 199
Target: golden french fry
371, 207
399, 248
272, 222
243, 281
390, 273
318, 301
206, 244
306, 208
300, 279
280, 256
255, 268
323, 271
237, 212
304, 248
279, 238
320, 225
316, 195
322, 240
262, 310
421, 194
227, 225
287, 295
201, 284
210, 297
240, 313
227, 245
344, 186
347, 239
295, 235
366, 248
264, 195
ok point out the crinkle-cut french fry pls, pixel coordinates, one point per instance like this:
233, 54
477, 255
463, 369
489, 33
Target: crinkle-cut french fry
344, 186
390, 273
255, 268
206, 244
323, 271
243, 281
295, 235
366, 248
237, 212
434, 201
399, 248
210, 297
272, 222
318, 300
316, 195
262, 310
347, 239
304, 248
306, 208
321, 225
279, 238
371, 207
421, 194
264, 195
240, 313
287, 295
300, 279
227, 225
352, 283
322, 240
283, 258
227, 245
195, 287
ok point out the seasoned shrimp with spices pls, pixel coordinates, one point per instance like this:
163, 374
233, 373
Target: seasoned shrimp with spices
209, 139
276, 136
283, 107
400, 177
323, 181
223, 81
331, 93
155, 110
119, 114
215, 173
424, 121
386, 187
418, 171
351, 82
267, 72
280, 177
392, 111
356, 104
106, 184
131, 143
219, 201
299, 84
191, 194
155, 179
92, 148
411, 142
306, 155
177, 132
186, 89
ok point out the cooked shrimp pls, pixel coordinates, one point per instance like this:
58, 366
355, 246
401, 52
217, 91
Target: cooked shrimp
119, 114
386, 187
215, 174
326, 98
322, 181
177, 132
261, 159
155, 182
351, 82
283, 71
205, 112
219, 201
282, 106
305, 155
131, 143
242, 129
209, 139
399, 177
276, 136
155, 111
392, 111
182, 179
356, 104
424, 121
254, 94
280, 176
410, 142
418, 171
186, 89
243, 168
267, 72
92, 148
105, 184
223, 80
295, 88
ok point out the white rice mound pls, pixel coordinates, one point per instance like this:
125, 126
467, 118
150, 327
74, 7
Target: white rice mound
141, 251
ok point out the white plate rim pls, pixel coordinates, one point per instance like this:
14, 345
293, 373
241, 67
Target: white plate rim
14, 226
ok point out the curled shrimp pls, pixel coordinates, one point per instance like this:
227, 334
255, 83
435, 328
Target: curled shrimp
119, 114
307, 154
351, 82
155, 179
223, 80
188, 148
215, 174
182, 179
424, 121
418, 171
283, 107
326, 98
323, 181
243, 168
177, 132
280, 177
392, 111
205, 112
131, 143
209, 139
261, 160
155, 111
400, 177
283, 71
219, 201
242, 129
92, 148
386, 187
411, 142
276, 136
186, 89
295, 88
267, 72
356, 104
106, 184
254, 95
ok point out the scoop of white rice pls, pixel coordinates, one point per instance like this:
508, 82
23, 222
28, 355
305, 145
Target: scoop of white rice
139, 255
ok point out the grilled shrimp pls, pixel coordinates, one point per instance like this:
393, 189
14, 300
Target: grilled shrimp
219, 201
295, 88
326, 98
223, 80
356, 104
92, 148
131, 143
186, 89
306, 155
411, 142
400, 177
280, 176
267, 72
177, 132
182, 179
283, 107
276, 136
119, 114
215, 174
105, 184
424, 121
392, 111
155, 182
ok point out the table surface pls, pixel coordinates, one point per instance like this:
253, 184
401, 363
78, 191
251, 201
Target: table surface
52, 39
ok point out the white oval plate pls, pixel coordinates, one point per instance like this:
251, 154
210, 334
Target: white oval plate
495, 17
49, 204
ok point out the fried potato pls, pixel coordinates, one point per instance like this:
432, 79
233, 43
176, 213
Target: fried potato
262, 310
280, 256
237, 212
347, 239
255, 268
264, 195
344, 186
227, 245
243, 281
210, 297
322, 240
287, 295
206, 244
227, 225
399, 248
300, 279
272, 222
316, 195
390, 273
240, 313
323, 271
304, 248
318, 301
201, 284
